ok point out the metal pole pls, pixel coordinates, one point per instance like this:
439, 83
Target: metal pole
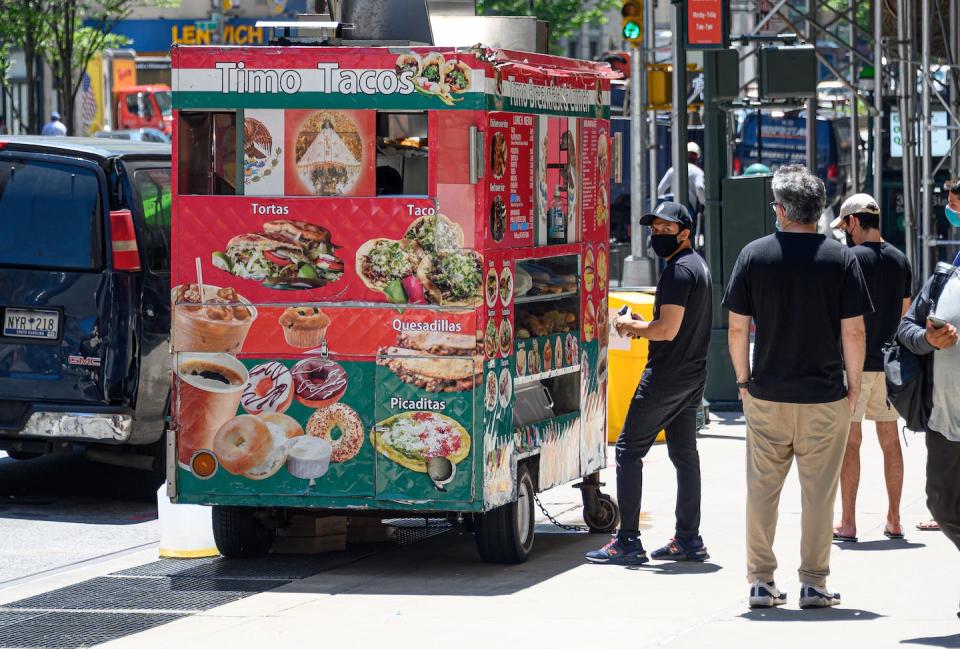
878, 99
955, 77
854, 106
904, 109
638, 267
678, 131
926, 182
650, 56
812, 102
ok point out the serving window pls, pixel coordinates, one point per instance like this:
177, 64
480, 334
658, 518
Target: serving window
402, 154
207, 153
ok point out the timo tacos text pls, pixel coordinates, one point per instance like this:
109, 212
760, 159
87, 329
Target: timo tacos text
236, 77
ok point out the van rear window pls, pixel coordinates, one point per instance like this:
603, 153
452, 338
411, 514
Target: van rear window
48, 215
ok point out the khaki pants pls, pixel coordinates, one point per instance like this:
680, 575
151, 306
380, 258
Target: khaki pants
816, 434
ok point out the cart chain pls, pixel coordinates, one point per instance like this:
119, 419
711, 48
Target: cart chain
563, 526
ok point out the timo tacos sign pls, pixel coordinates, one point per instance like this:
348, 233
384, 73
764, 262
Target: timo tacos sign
296, 77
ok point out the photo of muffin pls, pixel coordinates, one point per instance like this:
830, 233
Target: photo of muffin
304, 326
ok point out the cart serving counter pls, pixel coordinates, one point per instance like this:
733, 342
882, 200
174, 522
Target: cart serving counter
390, 271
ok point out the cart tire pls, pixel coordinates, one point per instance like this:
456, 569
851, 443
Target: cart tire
238, 533
607, 518
505, 534
22, 456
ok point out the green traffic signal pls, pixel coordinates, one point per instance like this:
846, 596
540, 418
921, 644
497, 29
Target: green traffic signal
631, 30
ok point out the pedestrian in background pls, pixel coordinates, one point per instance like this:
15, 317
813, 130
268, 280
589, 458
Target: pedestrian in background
54, 126
887, 274
668, 395
696, 187
925, 333
807, 297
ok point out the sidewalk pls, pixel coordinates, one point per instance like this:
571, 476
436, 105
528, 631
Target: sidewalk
437, 593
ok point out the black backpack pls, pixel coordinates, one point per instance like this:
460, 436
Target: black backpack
909, 377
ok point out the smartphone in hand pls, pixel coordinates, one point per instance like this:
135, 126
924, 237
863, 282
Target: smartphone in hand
938, 323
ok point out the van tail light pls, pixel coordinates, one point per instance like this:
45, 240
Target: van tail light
123, 241
736, 166
832, 171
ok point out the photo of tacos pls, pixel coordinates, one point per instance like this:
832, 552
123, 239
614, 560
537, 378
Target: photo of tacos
491, 287
453, 279
498, 155
434, 361
411, 439
456, 76
589, 273
408, 62
498, 218
506, 286
435, 233
506, 337
329, 153
490, 392
491, 342
589, 321
390, 266
286, 254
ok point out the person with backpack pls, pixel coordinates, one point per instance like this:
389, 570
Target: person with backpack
887, 273
929, 330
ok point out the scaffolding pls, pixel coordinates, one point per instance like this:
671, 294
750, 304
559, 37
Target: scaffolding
885, 53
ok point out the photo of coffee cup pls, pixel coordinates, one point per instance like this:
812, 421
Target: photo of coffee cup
219, 322
208, 388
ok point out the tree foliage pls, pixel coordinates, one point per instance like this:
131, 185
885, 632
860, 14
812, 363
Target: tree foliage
565, 16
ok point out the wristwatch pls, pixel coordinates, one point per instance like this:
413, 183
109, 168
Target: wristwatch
744, 385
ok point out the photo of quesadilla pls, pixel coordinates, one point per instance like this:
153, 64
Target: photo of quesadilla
434, 361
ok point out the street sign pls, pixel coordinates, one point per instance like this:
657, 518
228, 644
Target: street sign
707, 25
206, 25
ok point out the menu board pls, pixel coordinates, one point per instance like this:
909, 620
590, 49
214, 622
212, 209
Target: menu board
520, 163
595, 147
510, 180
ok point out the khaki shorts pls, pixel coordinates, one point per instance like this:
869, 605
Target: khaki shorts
873, 399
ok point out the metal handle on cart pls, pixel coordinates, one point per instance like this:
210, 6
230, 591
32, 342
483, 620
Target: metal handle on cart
474, 174
546, 391
618, 157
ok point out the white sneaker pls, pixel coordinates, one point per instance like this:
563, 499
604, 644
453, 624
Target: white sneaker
766, 595
816, 597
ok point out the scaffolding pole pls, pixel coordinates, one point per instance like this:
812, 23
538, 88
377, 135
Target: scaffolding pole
904, 41
878, 82
854, 106
926, 153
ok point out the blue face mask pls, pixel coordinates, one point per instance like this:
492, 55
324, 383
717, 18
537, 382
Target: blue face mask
776, 224
952, 216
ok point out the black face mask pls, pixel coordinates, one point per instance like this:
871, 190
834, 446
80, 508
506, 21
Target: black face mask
850, 242
664, 244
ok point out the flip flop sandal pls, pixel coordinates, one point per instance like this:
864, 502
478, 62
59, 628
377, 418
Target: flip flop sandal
845, 539
890, 535
929, 526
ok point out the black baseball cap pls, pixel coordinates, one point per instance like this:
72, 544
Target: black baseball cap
669, 211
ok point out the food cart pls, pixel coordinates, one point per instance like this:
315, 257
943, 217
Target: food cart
389, 272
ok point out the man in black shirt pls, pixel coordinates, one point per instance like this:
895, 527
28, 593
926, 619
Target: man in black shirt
887, 273
669, 393
807, 297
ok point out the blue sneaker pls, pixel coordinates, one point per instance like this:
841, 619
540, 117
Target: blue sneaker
817, 597
619, 553
679, 550
766, 595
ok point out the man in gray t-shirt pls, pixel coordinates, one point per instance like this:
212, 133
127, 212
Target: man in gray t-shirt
923, 332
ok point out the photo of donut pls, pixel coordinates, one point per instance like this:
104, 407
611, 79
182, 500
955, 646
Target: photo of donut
411, 439
490, 392
269, 388
506, 387
318, 382
521, 361
340, 425
255, 447
329, 153
506, 286
491, 287
589, 272
260, 157
602, 268
589, 321
506, 337
491, 343
498, 155
498, 218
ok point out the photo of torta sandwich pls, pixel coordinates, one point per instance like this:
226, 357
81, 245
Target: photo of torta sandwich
434, 361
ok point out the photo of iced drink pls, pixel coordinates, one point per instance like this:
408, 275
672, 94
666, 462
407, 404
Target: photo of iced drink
208, 387
218, 323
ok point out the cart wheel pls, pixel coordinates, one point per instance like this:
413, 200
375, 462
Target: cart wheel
238, 533
606, 519
22, 456
505, 534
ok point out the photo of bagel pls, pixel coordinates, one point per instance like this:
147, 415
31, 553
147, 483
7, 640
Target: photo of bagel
255, 446
340, 425
453, 279
498, 155
410, 439
434, 361
435, 233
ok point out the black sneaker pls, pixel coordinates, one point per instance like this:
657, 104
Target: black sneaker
619, 552
679, 550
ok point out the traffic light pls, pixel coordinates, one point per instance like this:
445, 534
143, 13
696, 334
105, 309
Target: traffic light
632, 21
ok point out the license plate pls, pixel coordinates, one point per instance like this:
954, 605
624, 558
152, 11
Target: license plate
28, 323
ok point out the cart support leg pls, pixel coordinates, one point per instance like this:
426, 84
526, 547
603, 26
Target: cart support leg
600, 511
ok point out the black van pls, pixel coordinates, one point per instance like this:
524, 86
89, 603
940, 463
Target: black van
84, 298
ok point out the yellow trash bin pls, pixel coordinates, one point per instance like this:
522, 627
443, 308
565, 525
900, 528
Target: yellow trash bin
626, 359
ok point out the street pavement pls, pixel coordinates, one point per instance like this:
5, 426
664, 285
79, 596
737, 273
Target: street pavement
436, 592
